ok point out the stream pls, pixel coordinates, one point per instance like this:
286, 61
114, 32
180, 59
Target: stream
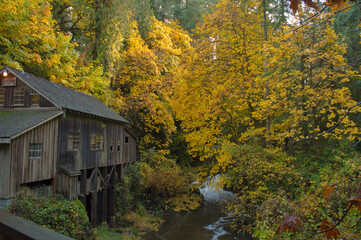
206, 223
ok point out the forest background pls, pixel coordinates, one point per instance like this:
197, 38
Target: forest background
264, 94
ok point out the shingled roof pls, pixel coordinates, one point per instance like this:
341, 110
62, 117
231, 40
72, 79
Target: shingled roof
14, 123
66, 98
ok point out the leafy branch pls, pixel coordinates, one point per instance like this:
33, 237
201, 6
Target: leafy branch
331, 128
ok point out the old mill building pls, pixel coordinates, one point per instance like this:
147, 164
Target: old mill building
65, 140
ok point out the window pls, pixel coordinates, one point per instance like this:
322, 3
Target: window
111, 145
34, 99
2, 97
35, 150
97, 142
73, 141
126, 140
19, 96
118, 145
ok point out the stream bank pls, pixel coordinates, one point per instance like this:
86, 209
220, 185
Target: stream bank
205, 223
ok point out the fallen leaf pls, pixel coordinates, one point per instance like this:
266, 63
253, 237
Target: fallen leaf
328, 190
311, 4
331, 234
356, 200
290, 223
294, 6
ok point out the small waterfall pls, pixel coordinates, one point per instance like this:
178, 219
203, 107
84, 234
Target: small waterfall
213, 194
205, 223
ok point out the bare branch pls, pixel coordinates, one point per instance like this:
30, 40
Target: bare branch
338, 223
354, 62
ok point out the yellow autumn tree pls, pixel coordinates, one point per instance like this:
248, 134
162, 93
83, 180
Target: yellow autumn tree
220, 98
146, 81
308, 76
30, 41
216, 94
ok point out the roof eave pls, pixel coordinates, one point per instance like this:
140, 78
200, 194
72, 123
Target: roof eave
5, 140
36, 125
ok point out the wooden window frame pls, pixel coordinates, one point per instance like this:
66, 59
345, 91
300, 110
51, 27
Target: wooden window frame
97, 142
19, 97
119, 142
111, 148
35, 96
35, 150
73, 141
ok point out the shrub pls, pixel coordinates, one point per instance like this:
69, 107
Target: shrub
129, 190
256, 175
63, 216
165, 184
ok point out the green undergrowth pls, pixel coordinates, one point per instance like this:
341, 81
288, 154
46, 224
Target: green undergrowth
149, 188
165, 185
63, 216
131, 226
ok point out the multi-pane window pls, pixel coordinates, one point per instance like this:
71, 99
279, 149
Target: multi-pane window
73, 141
97, 142
34, 99
2, 97
19, 96
35, 150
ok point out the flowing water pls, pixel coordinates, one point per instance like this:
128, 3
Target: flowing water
206, 223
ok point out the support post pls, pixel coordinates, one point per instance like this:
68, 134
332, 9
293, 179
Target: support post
94, 200
104, 193
83, 181
112, 198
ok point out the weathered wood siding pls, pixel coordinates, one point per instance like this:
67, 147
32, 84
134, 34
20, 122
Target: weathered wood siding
27, 169
68, 185
85, 158
133, 148
28, 95
130, 147
115, 142
5, 159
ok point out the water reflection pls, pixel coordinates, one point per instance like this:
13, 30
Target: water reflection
206, 223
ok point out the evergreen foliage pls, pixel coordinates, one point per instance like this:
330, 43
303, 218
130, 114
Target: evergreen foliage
63, 216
